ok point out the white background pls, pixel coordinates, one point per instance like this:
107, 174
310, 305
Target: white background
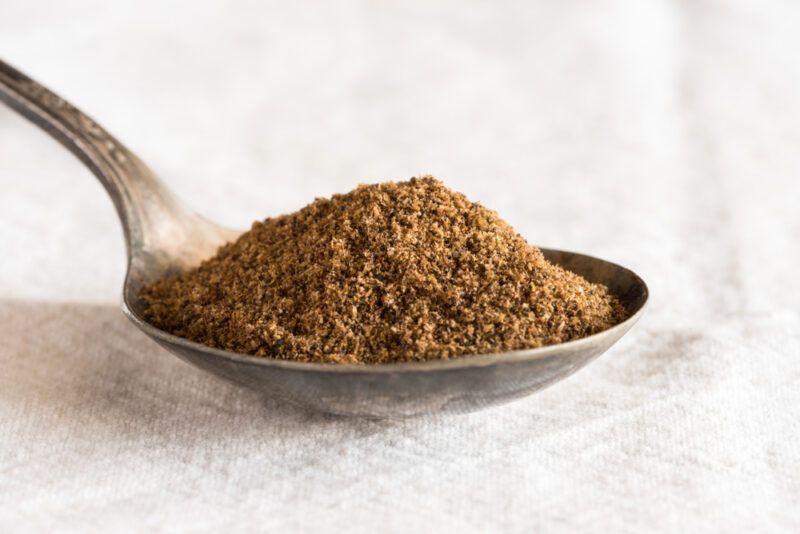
661, 135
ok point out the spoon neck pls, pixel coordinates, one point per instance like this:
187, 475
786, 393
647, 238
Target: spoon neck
156, 224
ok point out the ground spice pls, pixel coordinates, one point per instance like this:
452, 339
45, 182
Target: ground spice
386, 273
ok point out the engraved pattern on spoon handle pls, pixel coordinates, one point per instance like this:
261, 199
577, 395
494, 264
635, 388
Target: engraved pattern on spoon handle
139, 197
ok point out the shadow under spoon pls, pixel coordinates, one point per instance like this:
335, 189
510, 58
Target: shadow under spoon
164, 237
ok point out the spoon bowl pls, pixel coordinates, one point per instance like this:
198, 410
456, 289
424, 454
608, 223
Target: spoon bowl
164, 237
403, 389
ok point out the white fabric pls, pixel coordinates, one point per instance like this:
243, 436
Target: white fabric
661, 135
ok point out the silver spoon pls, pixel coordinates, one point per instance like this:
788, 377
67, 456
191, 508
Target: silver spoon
164, 237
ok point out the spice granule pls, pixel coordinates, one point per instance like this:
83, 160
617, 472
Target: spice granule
388, 272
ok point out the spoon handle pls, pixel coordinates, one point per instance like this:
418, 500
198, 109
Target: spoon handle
147, 209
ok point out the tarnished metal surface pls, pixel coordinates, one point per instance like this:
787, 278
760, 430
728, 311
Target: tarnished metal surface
163, 236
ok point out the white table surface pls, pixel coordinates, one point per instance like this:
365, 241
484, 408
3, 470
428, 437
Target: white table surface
661, 135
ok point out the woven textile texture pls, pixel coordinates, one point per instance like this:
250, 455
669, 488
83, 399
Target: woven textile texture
661, 135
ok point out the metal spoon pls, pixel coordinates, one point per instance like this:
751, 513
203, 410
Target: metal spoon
165, 237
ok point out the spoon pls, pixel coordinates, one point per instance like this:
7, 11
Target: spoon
164, 237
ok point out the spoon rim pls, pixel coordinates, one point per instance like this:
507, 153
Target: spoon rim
456, 362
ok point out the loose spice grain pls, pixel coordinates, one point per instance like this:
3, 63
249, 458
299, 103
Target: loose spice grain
388, 272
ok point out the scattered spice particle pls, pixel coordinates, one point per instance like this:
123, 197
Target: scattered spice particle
386, 273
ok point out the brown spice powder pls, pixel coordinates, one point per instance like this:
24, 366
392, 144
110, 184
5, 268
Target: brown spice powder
386, 273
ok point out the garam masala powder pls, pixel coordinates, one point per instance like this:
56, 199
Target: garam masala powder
389, 272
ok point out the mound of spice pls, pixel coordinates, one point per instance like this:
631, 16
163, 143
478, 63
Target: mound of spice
386, 273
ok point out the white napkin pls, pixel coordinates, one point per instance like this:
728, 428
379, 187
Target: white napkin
660, 135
